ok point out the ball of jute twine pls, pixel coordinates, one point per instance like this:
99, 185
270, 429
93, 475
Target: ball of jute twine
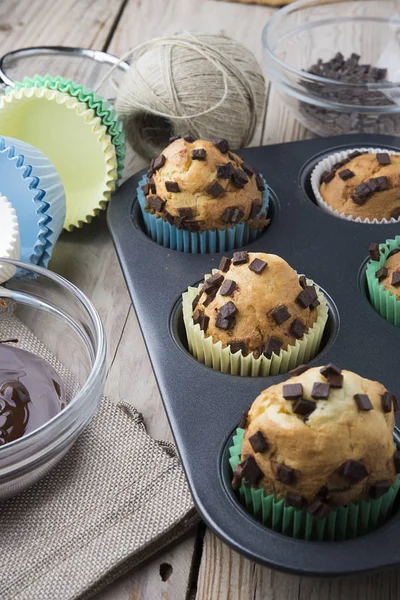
203, 85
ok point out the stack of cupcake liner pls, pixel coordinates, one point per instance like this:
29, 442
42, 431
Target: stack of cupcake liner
9, 238
34, 188
199, 242
74, 139
384, 301
342, 523
326, 164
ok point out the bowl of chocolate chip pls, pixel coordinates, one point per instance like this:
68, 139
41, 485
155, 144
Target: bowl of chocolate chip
336, 63
52, 370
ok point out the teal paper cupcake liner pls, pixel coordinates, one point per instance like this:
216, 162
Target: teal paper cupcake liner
342, 523
199, 242
384, 302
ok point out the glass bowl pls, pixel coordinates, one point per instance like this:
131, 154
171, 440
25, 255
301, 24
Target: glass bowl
308, 31
69, 327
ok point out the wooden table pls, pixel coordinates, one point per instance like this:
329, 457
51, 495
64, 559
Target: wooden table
200, 566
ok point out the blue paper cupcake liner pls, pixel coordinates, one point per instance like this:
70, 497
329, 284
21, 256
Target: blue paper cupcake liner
199, 242
34, 188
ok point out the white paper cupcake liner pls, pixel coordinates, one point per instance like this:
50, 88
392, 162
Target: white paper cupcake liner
326, 164
222, 359
9, 238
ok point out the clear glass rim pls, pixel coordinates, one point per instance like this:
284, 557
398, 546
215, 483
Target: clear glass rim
98, 363
291, 8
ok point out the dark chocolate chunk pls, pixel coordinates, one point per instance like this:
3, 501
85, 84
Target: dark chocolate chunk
354, 470
303, 281
295, 500
199, 154
273, 346
243, 419
373, 184
395, 214
292, 391
286, 474
215, 189
237, 477
204, 323
340, 164
172, 186
185, 213
329, 369
381, 273
198, 316
257, 265
363, 402
396, 460
237, 346
386, 402
360, 194
146, 189
298, 370
354, 154
225, 171
304, 407
319, 509
255, 208
379, 488
224, 264
237, 215
396, 278
226, 216
156, 203
189, 139
239, 178
383, 183
297, 329
174, 138
334, 380
307, 296
191, 226
260, 183
223, 323
210, 297
327, 176
281, 314
258, 442
320, 391
212, 282
248, 170
240, 258
228, 310
228, 287
383, 158
169, 218
374, 252
195, 302
159, 162
152, 186
346, 174
222, 146
251, 472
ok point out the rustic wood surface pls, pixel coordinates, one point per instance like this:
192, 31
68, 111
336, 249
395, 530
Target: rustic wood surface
199, 567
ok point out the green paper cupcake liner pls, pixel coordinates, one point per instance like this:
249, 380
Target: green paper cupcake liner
103, 109
384, 302
342, 523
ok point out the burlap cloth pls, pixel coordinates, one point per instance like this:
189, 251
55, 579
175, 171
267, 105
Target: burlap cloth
117, 497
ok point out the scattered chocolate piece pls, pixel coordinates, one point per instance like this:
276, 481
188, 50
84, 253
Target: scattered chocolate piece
255, 208
152, 185
374, 252
237, 215
226, 216
224, 264
383, 183
258, 442
319, 509
228, 287
215, 189
396, 278
174, 138
320, 391
330, 369
169, 218
222, 146
227, 310
297, 329
195, 302
158, 162
258, 265
304, 407
232, 215
146, 189
363, 402
237, 346
156, 203
392, 252
307, 296
212, 282
295, 500
251, 472
191, 226
273, 346
248, 169
327, 176
322, 493
172, 186
260, 183
243, 419
396, 460
354, 470
360, 194
298, 370
237, 477
280, 314
379, 488
387, 402
355, 154
223, 323
335, 381
240, 258
292, 391
303, 281
189, 139
346, 174
185, 213
286, 474
395, 214
383, 158
199, 154
210, 297
199, 318
239, 178
225, 171
340, 164
381, 273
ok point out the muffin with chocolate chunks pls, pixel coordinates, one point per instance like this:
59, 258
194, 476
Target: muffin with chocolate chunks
383, 279
320, 440
198, 185
362, 185
255, 306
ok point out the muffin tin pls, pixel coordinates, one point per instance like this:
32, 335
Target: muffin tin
204, 406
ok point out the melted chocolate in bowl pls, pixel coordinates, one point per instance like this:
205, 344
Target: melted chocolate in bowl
31, 393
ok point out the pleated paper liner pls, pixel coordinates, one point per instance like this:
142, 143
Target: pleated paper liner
102, 107
9, 238
342, 523
326, 164
33, 186
199, 242
222, 359
384, 302
75, 141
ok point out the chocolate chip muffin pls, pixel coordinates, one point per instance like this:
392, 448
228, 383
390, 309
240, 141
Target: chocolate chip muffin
364, 185
199, 185
321, 439
256, 303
